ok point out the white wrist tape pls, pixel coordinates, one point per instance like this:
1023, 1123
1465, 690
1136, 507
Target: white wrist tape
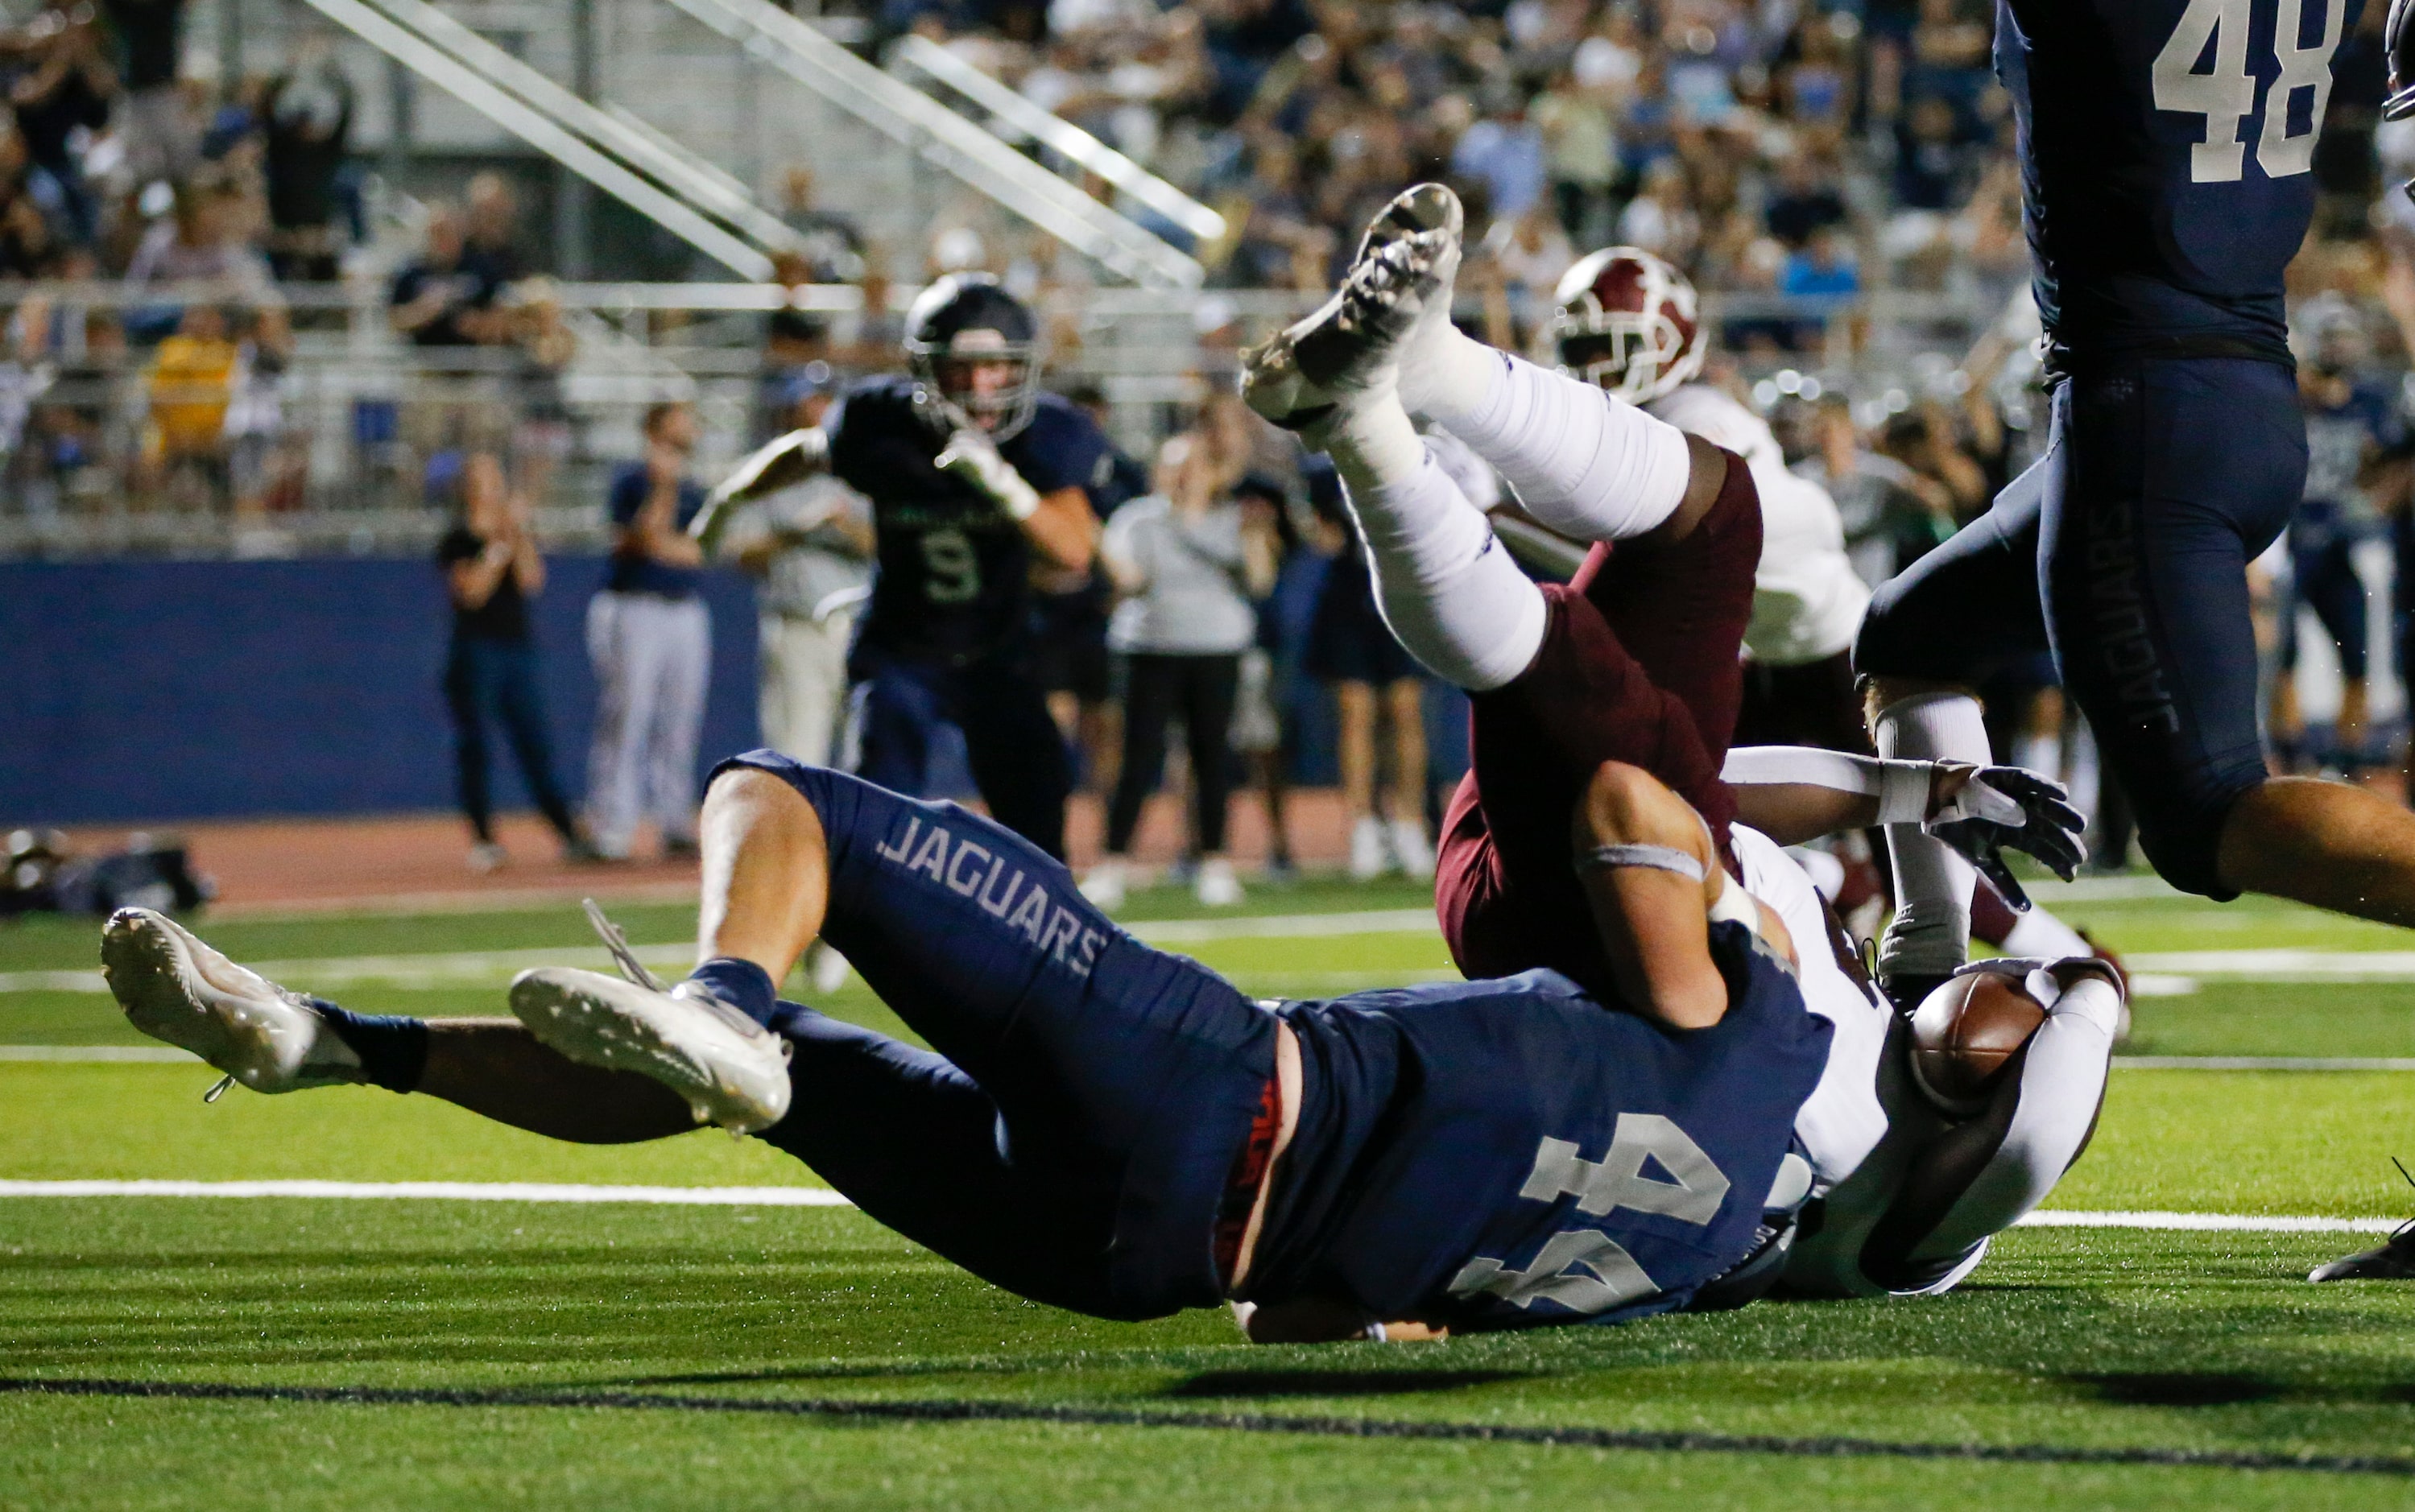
975, 458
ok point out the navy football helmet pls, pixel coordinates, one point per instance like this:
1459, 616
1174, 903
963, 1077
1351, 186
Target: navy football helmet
967, 320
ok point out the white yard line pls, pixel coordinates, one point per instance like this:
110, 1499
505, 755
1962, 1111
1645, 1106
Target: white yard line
2280, 966
475, 968
169, 1055
467, 1191
87, 1053
529, 1191
2207, 1222
2262, 1063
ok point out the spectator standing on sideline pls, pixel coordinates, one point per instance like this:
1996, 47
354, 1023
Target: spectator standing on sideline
492, 571
1186, 565
162, 139
650, 641
1350, 647
810, 548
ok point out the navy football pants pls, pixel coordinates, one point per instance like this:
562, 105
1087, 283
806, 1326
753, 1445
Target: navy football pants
2124, 551
1017, 753
1071, 1138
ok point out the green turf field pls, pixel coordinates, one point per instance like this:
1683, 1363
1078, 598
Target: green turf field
348, 1353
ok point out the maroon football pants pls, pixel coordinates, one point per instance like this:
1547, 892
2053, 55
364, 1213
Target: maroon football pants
1640, 663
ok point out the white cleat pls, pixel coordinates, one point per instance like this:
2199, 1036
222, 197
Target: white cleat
1354, 343
175, 988
1216, 886
1411, 849
1368, 856
730, 1069
1106, 884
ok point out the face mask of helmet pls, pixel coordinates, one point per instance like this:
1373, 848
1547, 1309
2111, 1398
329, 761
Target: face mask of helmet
973, 343
1625, 322
1635, 357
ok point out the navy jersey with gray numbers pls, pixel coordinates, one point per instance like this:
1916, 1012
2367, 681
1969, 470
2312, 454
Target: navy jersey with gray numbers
953, 580
2167, 149
1511, 1153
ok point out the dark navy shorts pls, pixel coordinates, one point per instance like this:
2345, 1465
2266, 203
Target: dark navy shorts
1016, 752
2124, 551
1073, 1137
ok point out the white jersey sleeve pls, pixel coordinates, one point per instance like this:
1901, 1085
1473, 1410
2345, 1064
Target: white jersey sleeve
1807, 599
1842, 1121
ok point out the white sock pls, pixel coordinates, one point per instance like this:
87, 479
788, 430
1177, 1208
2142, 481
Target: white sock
2038, 935
1930, 933
1448, 591
1447, 375
1588, 466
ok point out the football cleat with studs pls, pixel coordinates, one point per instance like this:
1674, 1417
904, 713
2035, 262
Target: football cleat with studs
175, 988
730, 1069
1354, 343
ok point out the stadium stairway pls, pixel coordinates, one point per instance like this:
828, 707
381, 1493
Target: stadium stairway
688, 106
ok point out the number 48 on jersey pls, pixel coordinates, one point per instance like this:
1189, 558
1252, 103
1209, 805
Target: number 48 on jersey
2214, 34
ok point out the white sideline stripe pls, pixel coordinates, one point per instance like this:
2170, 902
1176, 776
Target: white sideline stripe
99, 1053
468, 1192
529, 1191
2282, 964
1286, 926
169, 1055
2263, 1063
475, 968
2206, 1222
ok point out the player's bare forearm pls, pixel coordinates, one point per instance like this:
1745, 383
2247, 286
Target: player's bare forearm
1651, 877
1063, 530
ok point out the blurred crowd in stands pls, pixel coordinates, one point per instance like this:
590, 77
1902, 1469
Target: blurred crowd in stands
1791, 156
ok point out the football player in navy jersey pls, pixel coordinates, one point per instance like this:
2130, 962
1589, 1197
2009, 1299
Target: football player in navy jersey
2166, 148
1104, 1127
973, 474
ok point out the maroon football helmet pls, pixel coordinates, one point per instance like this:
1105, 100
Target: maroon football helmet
1626, 321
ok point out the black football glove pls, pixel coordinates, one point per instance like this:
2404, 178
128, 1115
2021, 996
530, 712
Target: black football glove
2007, 808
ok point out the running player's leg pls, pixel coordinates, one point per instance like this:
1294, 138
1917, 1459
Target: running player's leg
2182, 475
896, 711
1932, 633
1017, 752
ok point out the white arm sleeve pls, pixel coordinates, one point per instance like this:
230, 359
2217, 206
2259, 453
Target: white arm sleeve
2062, 1082
1901, 788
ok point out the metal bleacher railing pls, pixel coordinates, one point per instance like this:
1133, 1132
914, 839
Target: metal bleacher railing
104, 449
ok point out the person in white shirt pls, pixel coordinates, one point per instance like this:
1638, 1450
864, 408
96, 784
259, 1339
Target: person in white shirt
1185, 561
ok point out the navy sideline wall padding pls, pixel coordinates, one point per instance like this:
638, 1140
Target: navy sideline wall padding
139, 691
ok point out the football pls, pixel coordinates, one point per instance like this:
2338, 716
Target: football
1964, 1032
